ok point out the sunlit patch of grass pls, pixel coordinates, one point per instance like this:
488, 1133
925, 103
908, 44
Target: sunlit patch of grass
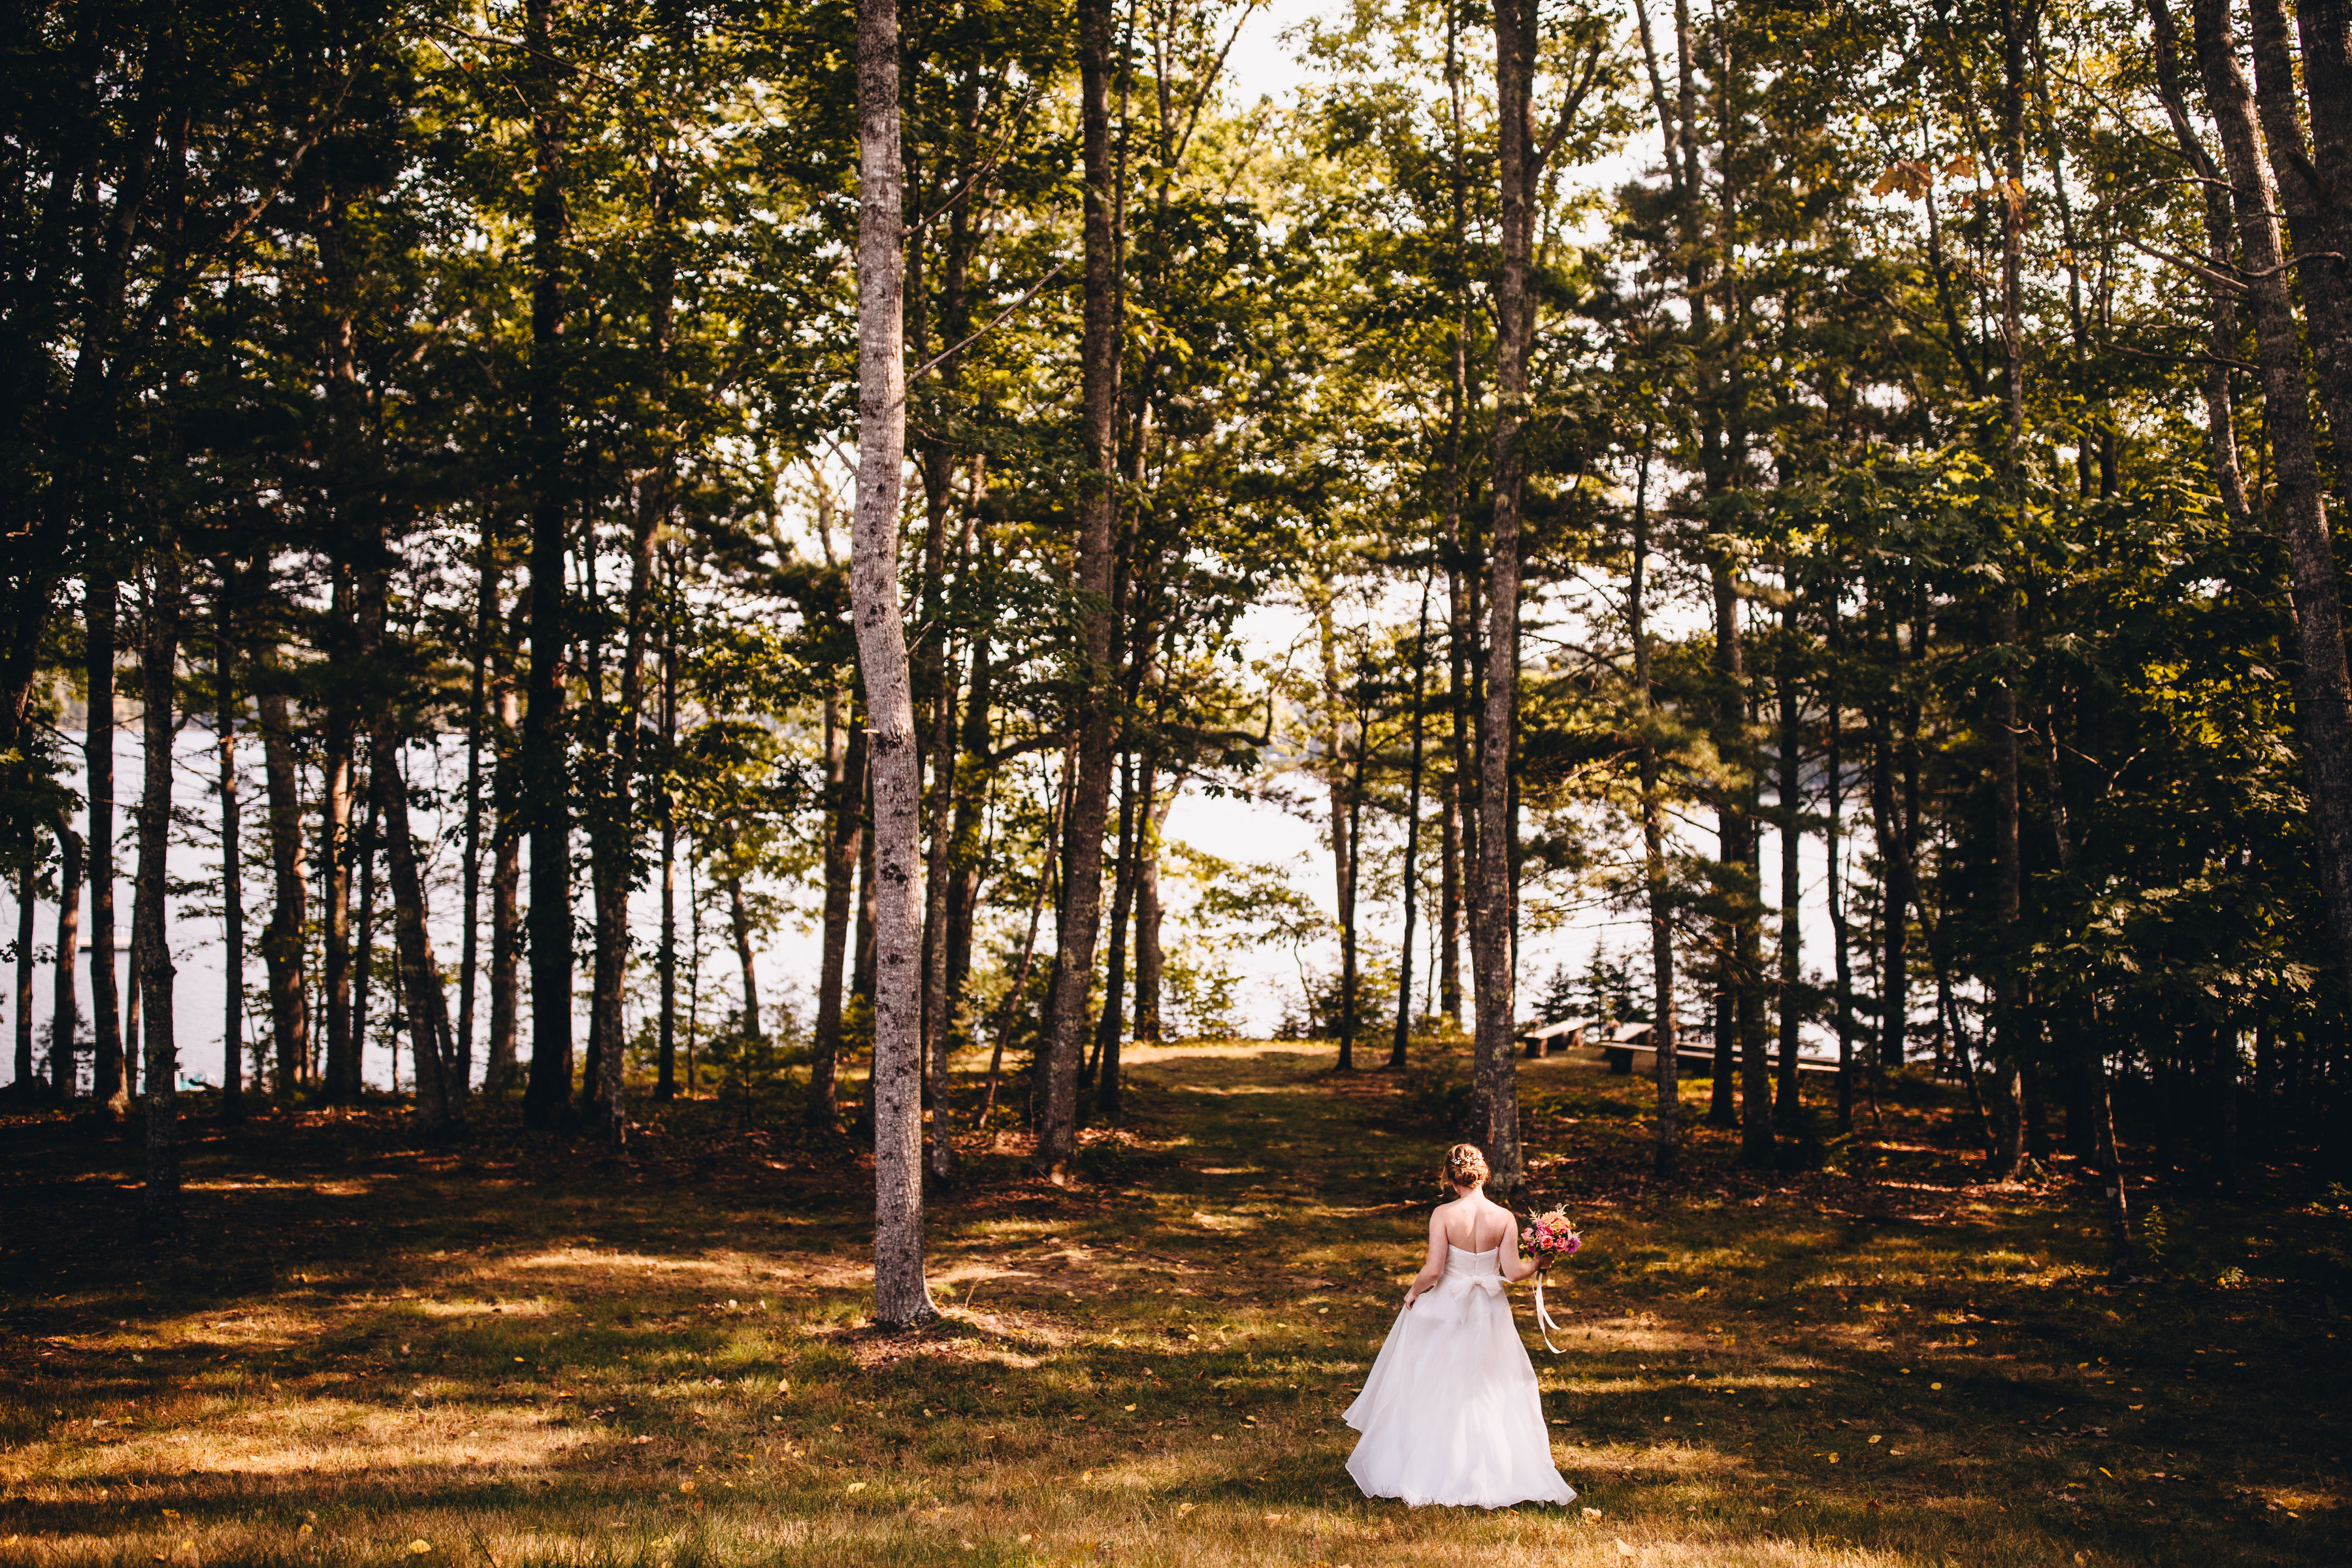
608, 1375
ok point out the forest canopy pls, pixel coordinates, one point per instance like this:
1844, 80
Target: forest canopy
833, 454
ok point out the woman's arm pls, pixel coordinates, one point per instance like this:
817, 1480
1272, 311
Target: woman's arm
1515, 1268
1433, 1267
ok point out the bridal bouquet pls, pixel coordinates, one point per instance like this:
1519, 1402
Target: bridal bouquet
1550, 1238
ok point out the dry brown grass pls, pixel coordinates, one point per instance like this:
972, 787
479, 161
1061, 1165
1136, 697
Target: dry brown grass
518, 1353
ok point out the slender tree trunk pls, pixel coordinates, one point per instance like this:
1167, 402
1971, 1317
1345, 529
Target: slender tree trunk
284, 947
665, 1083
2220, 297
1787, 1107
2325, 693
27, 914
440, 1094
2012, 1044
939, 1025
1895, 927
1412, 836
1658, 888
65, 1013
974, 783
1833, 781
1089, 807
157, 973
485, 611
108, 1087
232, 829
363, 946
502, 1065
1493, 896
544, 801
1459, 617
1335, 785
1132, 821
901, 1298
1150, 961
342, 1067
844, 831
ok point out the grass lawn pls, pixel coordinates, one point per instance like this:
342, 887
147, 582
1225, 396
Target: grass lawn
518, 1352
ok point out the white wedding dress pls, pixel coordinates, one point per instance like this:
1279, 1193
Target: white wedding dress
1451, 1413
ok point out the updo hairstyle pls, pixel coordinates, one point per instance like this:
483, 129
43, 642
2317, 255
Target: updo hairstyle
1466, 1167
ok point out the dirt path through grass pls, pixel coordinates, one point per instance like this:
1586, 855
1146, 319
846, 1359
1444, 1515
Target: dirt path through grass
361, 1353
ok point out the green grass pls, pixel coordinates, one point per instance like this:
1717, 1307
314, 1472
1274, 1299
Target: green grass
523, 1351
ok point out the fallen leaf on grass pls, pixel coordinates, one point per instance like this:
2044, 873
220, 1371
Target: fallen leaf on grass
686, 1486
419, 1548
1592, 1513
857, 1486
1623, 1549
1182, 1509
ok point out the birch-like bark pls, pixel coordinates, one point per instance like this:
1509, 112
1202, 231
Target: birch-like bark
2325, 693
901, 1298
1492, 894
501, 1064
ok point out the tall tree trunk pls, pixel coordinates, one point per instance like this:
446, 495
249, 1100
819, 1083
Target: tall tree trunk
1089, 807
2316, 224
1459, 617
666, 1027
1335, 785
2221, 295
1658, 888
28, 888
901, 1298
965, 857
1894, 926
363, 943
109, 1085
938, 1025
284, 946
544, 794
2013, 1041
1113, 1024
157, 973
501, 1066
478, 716
65, 1012
845, 830
1412, 896
1786, 1105
232, 829
1493, 896
2323, 695
1833, 781
342, 1067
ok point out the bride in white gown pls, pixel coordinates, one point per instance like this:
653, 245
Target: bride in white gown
1451, 1413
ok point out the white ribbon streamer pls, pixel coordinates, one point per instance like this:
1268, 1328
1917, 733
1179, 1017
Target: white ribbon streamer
1544, 1323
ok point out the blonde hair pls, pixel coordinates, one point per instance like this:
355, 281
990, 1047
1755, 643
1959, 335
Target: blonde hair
1466, 1167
